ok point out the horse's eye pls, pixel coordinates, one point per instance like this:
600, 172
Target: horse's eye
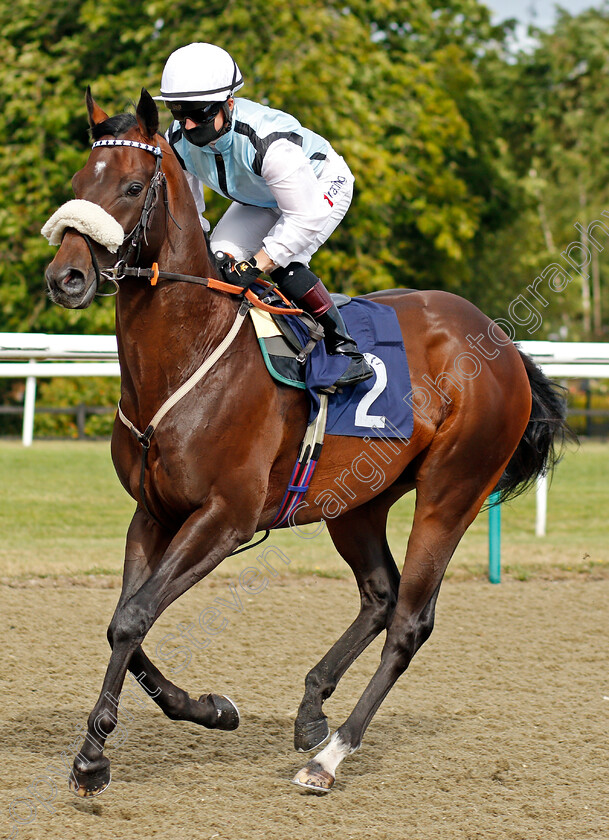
135, 189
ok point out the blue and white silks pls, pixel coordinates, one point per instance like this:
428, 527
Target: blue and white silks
232, 166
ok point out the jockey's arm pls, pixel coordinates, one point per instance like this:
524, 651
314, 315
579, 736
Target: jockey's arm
292, 181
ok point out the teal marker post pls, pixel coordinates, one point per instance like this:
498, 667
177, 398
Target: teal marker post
494, 539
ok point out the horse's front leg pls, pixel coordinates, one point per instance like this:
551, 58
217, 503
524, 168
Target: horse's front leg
214, 711
145, 546
204, 540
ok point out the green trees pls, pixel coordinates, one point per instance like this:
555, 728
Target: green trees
554, 103
570, 139
51, 50
471, 163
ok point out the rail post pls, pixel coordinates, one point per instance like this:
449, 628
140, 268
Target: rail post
494, 539
541, 492
29, 405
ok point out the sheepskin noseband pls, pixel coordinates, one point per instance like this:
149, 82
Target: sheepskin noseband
88, 218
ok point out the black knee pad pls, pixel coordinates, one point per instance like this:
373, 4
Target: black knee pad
295, 280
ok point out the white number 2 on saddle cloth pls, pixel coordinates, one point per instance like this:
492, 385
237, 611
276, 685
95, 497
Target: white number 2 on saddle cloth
362, 418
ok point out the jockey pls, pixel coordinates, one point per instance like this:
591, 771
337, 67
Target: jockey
289, 188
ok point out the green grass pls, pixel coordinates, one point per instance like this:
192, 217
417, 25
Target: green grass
62, 509
63, 512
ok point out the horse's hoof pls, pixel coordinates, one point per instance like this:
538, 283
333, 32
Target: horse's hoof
89, 779
308, 736
314, 779
227, 711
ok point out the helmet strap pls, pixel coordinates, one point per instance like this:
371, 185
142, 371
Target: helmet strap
228, 119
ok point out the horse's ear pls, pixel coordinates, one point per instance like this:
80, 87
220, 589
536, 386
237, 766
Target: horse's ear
96, 115
147, 115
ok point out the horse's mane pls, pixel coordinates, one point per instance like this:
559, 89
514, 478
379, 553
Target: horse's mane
115, 126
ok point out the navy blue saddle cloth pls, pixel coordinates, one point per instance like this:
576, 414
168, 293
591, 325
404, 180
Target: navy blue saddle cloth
380, 404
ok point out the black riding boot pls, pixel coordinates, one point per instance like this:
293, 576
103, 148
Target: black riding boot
298, 282
338, 340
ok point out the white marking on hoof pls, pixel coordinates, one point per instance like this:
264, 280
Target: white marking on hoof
319, 774
320, 791
332, 755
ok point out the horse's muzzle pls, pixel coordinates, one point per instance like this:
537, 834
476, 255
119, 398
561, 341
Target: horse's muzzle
69, 287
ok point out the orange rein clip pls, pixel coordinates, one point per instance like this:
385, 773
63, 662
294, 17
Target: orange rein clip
221, 286
155, 274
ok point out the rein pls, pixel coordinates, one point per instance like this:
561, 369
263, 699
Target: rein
154, 274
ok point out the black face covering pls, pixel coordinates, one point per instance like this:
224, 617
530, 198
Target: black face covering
201, 135
205, 132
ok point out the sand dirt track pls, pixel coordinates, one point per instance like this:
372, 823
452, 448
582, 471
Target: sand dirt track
498, 730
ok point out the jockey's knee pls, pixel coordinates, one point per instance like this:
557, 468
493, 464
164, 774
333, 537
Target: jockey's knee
237, 251
295, 280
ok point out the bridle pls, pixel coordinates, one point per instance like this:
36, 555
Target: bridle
132, 244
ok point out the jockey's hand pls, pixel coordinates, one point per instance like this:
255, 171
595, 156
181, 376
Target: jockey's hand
238, 272
245, 272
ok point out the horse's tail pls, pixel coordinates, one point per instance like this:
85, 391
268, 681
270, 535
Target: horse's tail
544, 438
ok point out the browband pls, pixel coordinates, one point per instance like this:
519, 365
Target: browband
155, 150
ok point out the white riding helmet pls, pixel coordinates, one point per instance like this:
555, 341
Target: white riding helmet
200, 73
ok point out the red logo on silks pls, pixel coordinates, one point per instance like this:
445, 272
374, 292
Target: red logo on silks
331, 203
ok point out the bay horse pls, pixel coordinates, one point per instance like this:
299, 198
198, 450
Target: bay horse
218, 464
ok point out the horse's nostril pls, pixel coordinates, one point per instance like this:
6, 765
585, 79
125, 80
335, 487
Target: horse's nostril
72, 280
69, 286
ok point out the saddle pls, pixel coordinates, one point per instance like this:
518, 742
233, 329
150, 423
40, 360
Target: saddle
287, 341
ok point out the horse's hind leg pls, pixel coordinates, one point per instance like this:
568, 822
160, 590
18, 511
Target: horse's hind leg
445, 507
359, 536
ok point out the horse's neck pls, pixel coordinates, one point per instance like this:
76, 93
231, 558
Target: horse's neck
184, 250
165, 332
